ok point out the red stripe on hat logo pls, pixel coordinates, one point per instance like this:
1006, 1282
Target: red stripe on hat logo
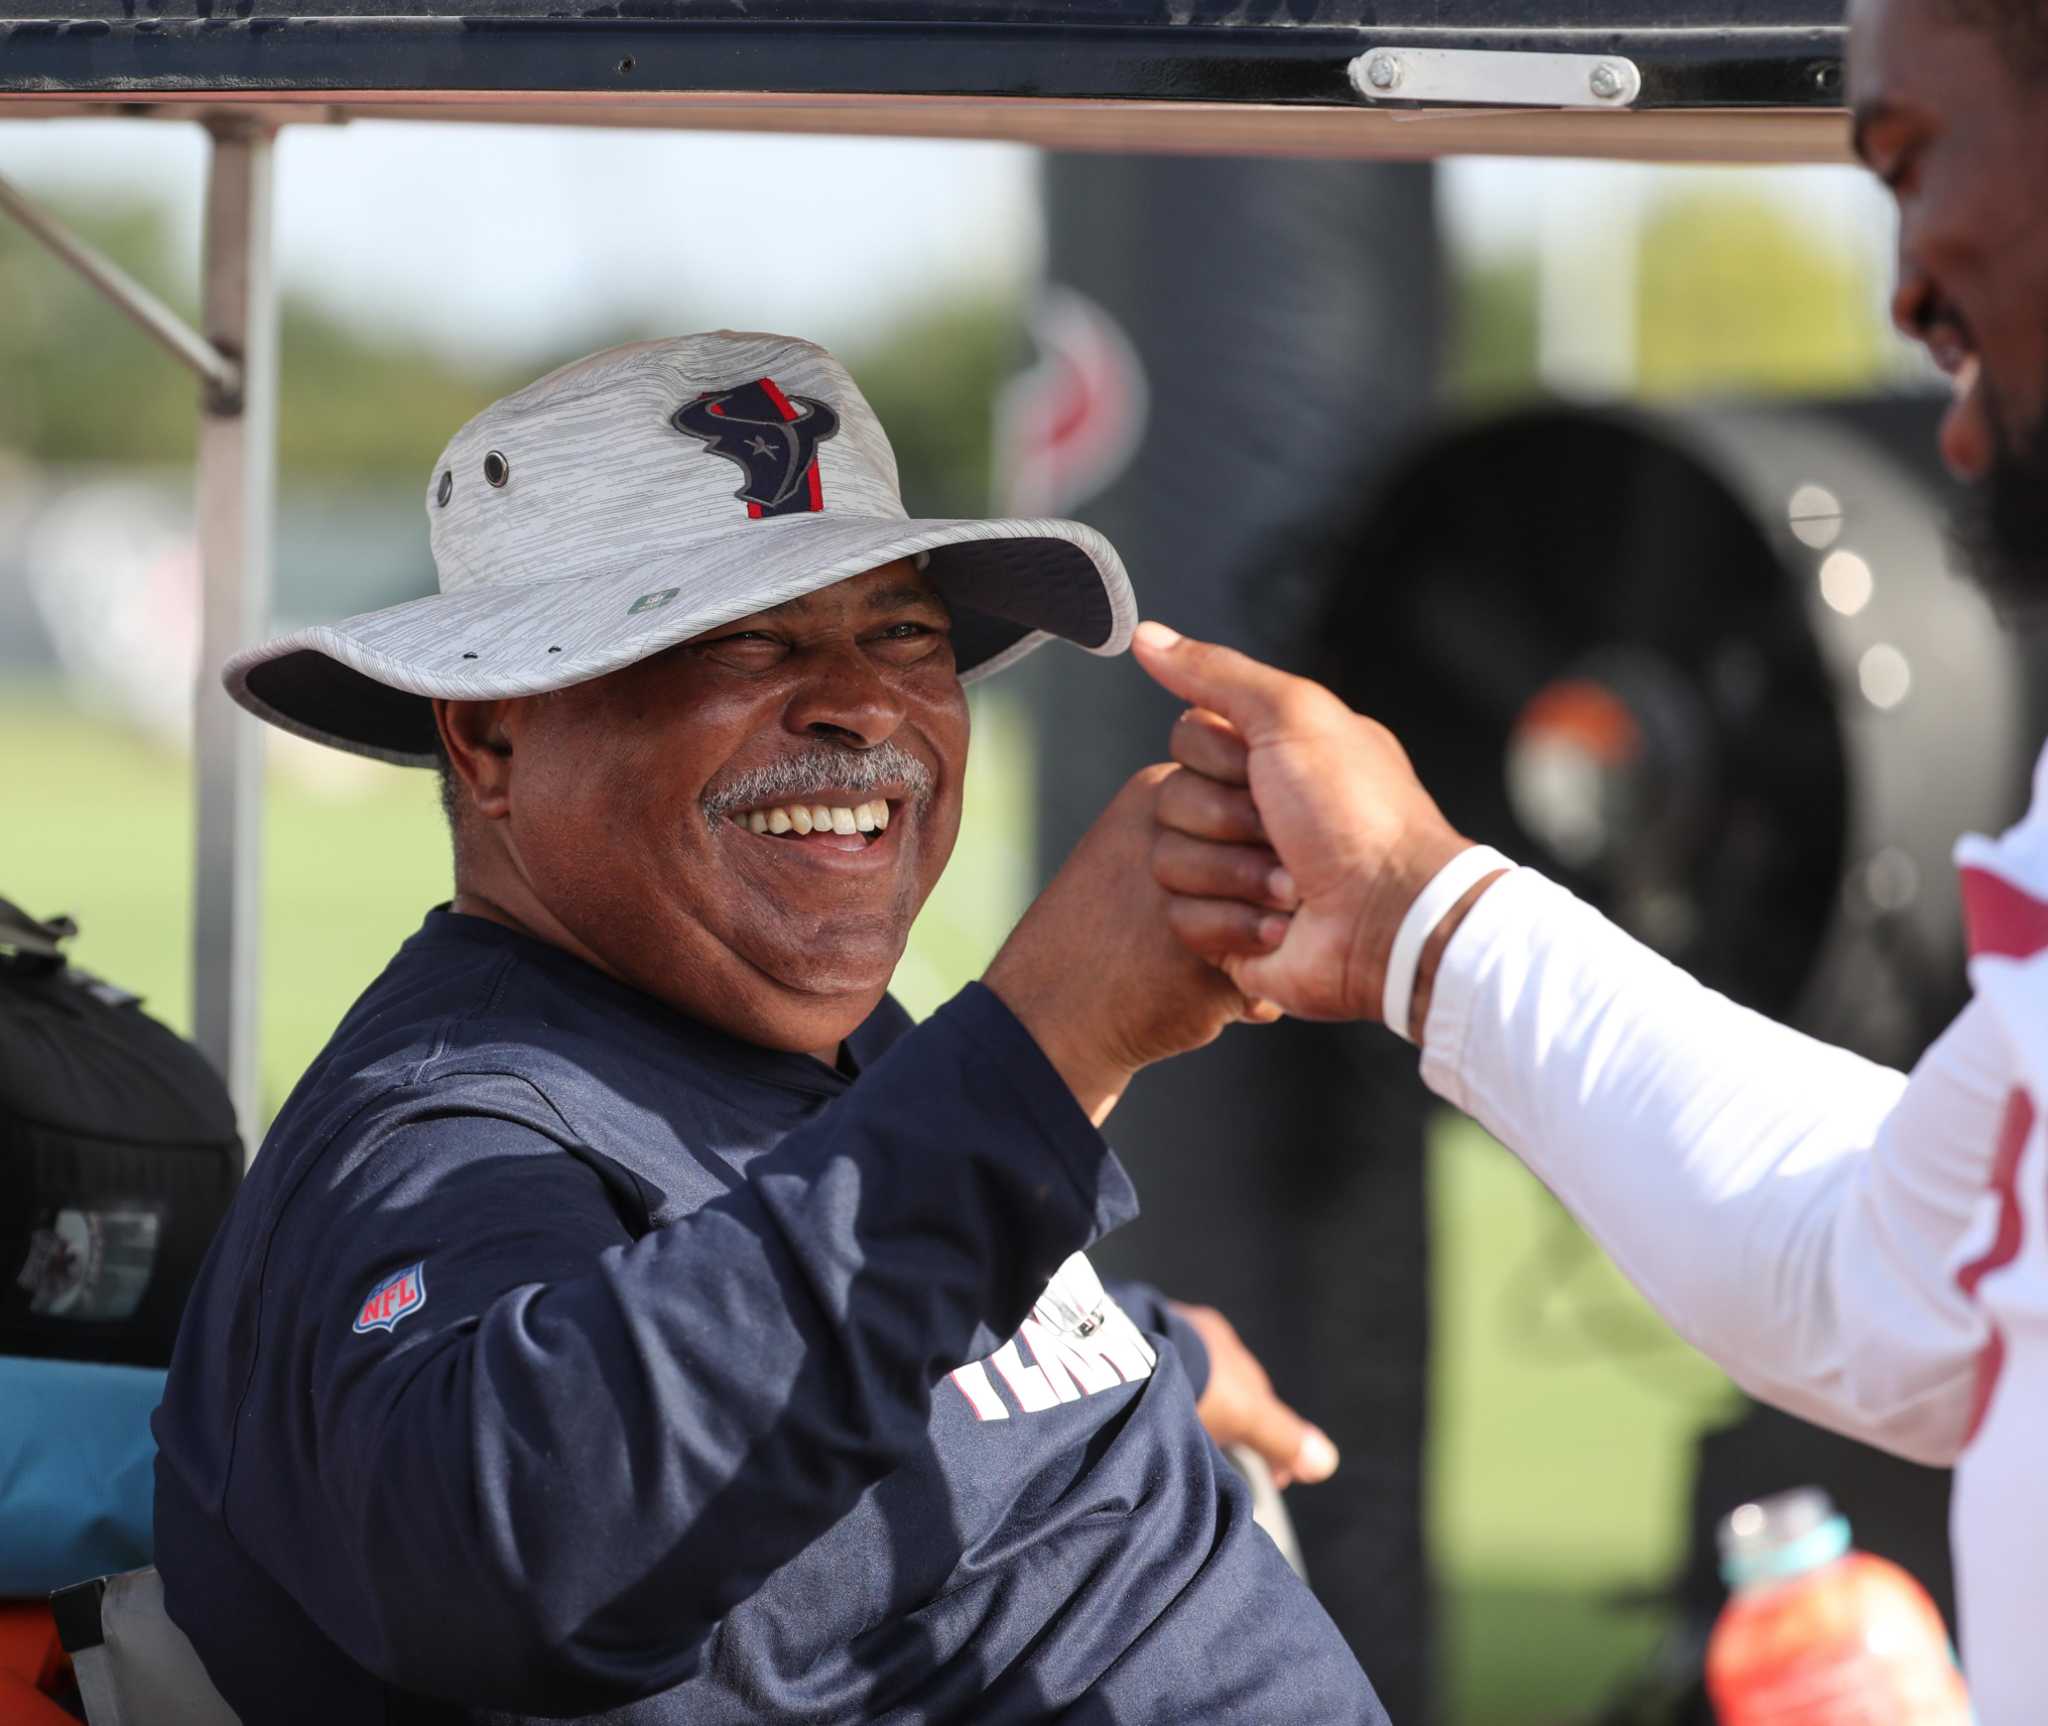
2004, 921
772, 437
2013, 1132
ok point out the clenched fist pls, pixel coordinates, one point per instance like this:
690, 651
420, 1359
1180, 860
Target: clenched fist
1093, 970
1296, 834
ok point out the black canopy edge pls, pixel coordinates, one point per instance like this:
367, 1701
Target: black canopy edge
1734, 68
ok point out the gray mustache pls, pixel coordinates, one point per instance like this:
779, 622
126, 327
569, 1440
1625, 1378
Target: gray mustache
861, 772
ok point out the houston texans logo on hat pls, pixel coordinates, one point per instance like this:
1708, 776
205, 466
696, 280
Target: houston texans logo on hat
773, 437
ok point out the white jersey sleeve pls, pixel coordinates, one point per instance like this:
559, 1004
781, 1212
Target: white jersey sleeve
1794, 1211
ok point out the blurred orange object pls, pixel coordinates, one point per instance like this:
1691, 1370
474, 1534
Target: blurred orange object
32, 1663
1815, 1634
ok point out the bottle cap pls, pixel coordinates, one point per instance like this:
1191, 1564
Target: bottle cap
1784, 1535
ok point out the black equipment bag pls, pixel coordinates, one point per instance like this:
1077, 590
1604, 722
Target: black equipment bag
118, 1156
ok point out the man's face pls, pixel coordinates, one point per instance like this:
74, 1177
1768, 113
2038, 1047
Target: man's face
1960, 135
632, 797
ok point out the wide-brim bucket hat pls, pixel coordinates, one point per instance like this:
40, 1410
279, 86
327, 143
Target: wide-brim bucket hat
640, 497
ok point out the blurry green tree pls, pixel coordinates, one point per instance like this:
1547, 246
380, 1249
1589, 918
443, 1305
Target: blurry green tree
80, 384
933, 377
1736, 294
1491, 353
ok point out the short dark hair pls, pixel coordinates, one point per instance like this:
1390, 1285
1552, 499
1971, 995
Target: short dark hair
450, 786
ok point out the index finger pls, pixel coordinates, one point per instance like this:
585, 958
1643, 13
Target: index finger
1208, 744
1262, 702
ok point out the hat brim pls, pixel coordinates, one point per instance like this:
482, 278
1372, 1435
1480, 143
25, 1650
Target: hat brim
366, 684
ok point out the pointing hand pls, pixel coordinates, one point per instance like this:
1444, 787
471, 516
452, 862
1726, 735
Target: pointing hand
1295, 835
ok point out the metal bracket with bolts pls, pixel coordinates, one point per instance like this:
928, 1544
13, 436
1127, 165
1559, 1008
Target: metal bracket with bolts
1490, 78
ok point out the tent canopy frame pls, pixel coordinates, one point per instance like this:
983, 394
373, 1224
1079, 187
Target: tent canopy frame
1761, 83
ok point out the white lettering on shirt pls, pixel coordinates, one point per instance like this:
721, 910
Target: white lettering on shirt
1081, 1343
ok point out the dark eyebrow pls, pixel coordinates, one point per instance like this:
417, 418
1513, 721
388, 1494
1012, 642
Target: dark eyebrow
909, 593
886, 599
1875, 112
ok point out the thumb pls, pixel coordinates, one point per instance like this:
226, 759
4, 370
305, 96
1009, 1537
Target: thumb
1251, 695
1294, 1449
1271, 987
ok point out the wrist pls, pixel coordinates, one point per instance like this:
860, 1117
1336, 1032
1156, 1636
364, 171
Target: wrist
1457, 881
1433, 951
1393, 890
1069, 1049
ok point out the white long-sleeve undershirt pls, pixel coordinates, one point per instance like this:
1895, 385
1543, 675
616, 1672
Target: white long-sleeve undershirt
1794, 1211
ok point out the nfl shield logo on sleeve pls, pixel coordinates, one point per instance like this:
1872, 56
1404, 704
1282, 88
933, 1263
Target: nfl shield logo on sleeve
393, 1298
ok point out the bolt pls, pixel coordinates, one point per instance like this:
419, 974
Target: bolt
1383, 71
1606, 81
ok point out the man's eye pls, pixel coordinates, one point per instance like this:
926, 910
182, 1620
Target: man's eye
748, 646
907, 643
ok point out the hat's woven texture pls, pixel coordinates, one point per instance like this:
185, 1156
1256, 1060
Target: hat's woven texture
596, 470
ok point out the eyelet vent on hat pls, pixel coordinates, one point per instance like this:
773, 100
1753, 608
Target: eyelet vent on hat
497, 470
446, 489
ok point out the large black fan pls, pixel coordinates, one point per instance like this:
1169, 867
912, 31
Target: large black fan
1712, 672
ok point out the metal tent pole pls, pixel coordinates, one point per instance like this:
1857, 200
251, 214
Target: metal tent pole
124, 291
236, 513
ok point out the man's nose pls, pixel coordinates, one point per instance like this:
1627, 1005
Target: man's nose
843, 696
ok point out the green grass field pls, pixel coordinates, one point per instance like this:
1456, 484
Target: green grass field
1558, 1468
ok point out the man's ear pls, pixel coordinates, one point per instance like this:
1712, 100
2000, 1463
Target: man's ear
479, 752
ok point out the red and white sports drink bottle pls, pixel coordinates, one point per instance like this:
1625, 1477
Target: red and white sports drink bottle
1815, 1634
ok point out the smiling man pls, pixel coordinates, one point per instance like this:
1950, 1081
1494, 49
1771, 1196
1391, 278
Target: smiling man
1951, 113
630, 1311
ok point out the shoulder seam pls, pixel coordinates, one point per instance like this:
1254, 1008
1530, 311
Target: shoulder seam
570, 1135
493, 993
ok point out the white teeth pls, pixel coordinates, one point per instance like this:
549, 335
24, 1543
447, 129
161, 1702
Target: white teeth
807, 818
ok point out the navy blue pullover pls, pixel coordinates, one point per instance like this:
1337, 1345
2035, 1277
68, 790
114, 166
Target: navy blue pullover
561, 1356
